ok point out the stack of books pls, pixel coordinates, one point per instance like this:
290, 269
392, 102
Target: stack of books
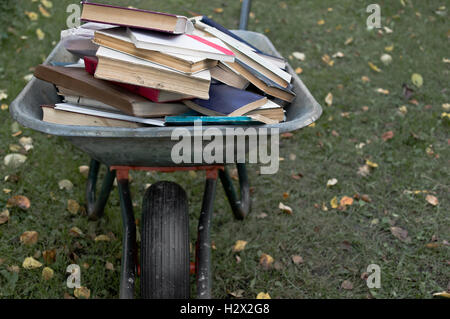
157, 69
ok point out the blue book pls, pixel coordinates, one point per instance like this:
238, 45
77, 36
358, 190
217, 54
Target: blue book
225, 100
210, 120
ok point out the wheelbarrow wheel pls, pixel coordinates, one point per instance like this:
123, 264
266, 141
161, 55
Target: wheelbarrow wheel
165, 243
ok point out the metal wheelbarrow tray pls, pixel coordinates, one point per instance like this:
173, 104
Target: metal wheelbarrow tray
165, 264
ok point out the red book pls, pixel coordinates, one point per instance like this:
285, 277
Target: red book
155, 95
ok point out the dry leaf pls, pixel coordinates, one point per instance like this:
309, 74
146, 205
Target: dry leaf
47, 273
332, 182
365, 79
285, 209
109, 266
26, 142
299, 70
14, 160
4, 107
82, 293
65, 184
102, 238
19, 201
266, 261
349, 41
72, 206
446, 106
218, 10
4, 216
239, 246
432, 200
47, 3
299, 56
371, 164
374, 67
237, 294
383, 91
49, 256
297, 259
400, 234
338, 55
386, 59
346, 201
347, 285
321, 22
387, 136
334, 203
44, 12
364, 170
31, 263
329, 99
444, 294
29, 238
40, 34
263, 295
33, 16
75, 231
417, 80
327, 60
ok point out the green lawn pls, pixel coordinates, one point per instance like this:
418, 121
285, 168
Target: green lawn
336, 245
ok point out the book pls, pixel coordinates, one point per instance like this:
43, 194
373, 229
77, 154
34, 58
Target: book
51, 115
250, 58
262, 83
121, 67
186, 44
226, 100
211, 120
118, 39
270, 110
149, 109
137, 18
154, 95
280, 62
106, 114
228, 76
80, 83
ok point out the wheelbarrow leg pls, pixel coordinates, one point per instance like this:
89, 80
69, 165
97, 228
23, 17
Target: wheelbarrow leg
129, 247
96, 206
240, 208
204, 239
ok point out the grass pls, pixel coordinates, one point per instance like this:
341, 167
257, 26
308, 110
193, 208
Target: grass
335, 245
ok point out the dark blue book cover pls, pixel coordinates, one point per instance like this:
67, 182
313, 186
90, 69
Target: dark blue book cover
227, 100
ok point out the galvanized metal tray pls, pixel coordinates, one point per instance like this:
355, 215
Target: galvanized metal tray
149, 146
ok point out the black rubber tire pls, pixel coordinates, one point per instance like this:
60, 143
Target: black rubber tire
165, 243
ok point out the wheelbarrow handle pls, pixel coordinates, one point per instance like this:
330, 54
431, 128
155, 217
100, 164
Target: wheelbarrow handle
95, 206
245, 11
240, 207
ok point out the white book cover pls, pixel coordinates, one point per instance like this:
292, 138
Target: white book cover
111, 115
119, 56
209, 48
121, 34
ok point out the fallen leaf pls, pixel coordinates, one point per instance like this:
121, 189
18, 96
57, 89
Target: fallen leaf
334, 203
19, 201
82, 293
44, 12
266, 261
347, 285
329, 99
239, 246
387, 136
364, 170
26, 142
327, 60
417, 80
365, 79
389, 48
72, 206
383, 91
47, 273
444, 294
263, 295
299, 56
321, 22
349, 41
403, 109
109, 266
75, 231
4, 107
374, 67
4, 216
386, 59
47, 3
432, 200
296, 259
371, 164
40, 34
31, 263
346, 201
446, 106
218, 10
33, 16
400, 234
332, 182
102, 238
237, 294
285, 209
65, 184
299, 70
14, 160
29, 238
49, 256
338, 55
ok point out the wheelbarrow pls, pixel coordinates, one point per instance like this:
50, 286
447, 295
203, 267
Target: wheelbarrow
164, 265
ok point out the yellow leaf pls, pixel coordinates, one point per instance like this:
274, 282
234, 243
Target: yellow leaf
33, 16
239, 245
4, 107
266, 261
72, 206
40, 34
374, 67
47, 273
29, 238
75, 231
321, 22
82, 293
371, 164
285, 209
383, 91
299, 70
334, 202
389, 48
263, 295
365, 79
218, 10
102, 238
44, 12
47, 3
444, 294
417, 80
31, 263
329, 99
349, 41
